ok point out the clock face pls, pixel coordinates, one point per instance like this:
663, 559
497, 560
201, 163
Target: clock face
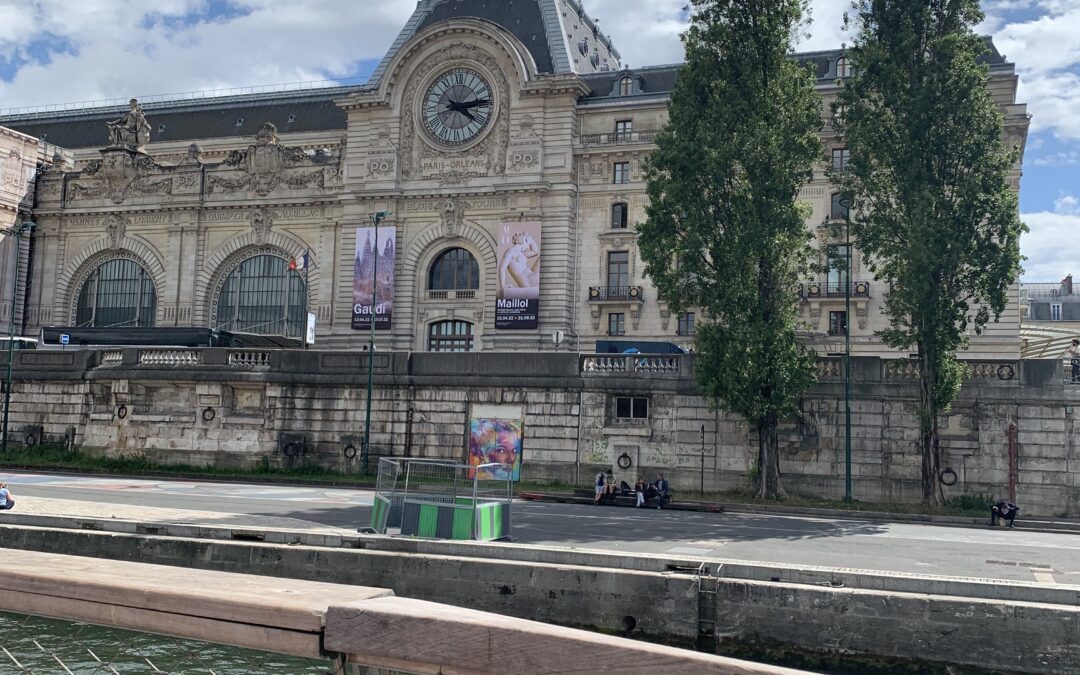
457, 106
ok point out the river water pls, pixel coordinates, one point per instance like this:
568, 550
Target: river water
44, 646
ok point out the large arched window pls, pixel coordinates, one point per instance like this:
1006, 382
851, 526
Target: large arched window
626, 86
119, 293
450, 336
262, 295
454, 270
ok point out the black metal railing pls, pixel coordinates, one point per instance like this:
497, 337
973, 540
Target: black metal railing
620, 138
835, 289
625, 293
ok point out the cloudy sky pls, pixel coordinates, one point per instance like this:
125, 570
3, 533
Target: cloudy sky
59, 51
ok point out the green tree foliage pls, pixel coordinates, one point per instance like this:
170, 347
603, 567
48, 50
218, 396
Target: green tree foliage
725, 232
934, 214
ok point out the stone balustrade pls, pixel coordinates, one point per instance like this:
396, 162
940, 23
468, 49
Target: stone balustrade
250, 359
169, 357
632, 363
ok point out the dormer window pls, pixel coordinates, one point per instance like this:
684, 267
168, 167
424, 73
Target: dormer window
583, 46
626, 86
843, 67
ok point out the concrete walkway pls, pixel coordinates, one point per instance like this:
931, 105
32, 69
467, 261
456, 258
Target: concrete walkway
78, 509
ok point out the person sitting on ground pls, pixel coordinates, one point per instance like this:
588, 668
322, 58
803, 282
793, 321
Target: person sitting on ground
639, 491
6, 502
599, 487
1004, 510
661, 491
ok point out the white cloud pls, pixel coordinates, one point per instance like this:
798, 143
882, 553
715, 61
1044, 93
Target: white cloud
1067, 204
128, 47
1052, 246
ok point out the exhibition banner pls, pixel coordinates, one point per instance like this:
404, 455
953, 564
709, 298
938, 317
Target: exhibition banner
517, 305
373, 277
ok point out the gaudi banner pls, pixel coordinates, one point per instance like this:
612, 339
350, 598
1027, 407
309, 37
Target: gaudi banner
373, 277
518, 303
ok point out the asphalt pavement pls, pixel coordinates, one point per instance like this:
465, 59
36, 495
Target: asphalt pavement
913, 548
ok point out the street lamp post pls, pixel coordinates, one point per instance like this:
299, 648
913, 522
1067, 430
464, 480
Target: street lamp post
845, 202
365, 448
703, 460
17, 232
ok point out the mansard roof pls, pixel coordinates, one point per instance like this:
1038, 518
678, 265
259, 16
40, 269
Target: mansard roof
559, 35
291, 112
315, 110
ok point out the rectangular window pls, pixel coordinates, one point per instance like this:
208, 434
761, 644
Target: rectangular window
622, 172
616, 323
623, 129
1055, 311
838, 209
619, 216
840, 159
686, 324
631, 408
618, 273
839, 275
837, 323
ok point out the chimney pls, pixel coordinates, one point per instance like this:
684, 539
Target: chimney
1066, 285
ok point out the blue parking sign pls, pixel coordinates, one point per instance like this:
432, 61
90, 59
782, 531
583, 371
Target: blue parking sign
64, 338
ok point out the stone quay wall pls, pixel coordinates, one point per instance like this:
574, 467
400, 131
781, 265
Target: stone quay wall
247, 408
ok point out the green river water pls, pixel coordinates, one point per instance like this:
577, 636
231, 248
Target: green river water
44, 646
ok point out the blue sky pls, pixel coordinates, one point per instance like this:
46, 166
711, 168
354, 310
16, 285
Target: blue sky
60, 51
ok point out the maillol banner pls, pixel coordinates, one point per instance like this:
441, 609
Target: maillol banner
373, 277
518, 303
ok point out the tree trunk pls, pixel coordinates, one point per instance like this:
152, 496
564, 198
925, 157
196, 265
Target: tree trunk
928, 435
769, 486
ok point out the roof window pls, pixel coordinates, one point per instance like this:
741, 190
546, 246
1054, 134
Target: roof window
240, 122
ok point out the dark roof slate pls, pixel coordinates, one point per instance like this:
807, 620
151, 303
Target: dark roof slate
183, 123
521, 17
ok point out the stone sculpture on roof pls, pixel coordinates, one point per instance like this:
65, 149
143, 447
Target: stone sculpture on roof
131, 131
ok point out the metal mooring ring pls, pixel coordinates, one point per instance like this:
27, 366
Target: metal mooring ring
948, 477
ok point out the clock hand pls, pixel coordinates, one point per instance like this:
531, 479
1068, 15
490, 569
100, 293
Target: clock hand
476, 103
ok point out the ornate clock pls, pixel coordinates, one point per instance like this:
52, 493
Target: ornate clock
457, 107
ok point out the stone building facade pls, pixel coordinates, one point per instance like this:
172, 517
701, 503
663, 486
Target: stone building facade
18, 168
506, 142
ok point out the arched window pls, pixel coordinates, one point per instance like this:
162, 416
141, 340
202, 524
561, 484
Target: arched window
454, 270
626, 86
843, 67
119, 293
619, 215
450, 336
263, 296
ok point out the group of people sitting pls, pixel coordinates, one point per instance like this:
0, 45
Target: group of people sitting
607, 487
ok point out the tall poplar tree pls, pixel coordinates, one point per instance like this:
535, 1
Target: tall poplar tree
928, 174
725, 232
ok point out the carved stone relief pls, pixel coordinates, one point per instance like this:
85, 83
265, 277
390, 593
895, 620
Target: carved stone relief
116, 227
120, 173
261, 222
382, 158
525, 151
266, 166
453, 215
